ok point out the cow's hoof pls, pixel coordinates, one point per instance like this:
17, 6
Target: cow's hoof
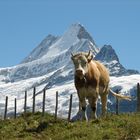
79, 116
90, 115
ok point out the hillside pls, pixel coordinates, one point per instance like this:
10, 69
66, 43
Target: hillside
112, 127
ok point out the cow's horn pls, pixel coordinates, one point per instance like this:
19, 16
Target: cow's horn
89, 53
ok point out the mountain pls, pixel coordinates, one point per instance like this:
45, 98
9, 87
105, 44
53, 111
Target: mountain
75, 38
52, 54
49, 66
109, 58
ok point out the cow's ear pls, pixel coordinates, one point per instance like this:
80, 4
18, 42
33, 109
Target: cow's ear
89, 56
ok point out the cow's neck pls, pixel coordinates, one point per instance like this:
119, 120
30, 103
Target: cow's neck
80, 82
86, 81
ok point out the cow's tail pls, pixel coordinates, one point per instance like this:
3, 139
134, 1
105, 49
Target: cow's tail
119, 96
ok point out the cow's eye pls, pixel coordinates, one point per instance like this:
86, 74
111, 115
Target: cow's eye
85, 62
76, 63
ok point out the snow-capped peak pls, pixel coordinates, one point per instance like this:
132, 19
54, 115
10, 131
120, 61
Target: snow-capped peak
53, 46
107, 53
77, 30
63, 43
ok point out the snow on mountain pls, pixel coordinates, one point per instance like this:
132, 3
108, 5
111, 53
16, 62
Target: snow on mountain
126, 85
41, 49
49, 66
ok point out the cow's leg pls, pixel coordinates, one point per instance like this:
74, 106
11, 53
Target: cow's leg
92, 99
82, 105
82, 108
104, 103
93, 104
104, 95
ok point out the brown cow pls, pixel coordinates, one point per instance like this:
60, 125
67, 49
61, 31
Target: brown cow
91, 80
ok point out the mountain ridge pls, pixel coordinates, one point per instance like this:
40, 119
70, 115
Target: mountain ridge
54, 53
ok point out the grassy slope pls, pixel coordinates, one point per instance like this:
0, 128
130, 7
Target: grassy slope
34, 127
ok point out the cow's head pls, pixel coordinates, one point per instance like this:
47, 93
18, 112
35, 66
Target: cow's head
81, 61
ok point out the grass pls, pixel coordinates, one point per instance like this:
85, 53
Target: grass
35, 127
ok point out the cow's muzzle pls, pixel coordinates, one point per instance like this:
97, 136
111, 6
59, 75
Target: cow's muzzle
79, 73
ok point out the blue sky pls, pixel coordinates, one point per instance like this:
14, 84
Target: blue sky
25, 23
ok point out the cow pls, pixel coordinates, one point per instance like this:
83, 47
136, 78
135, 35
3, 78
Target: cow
91, 79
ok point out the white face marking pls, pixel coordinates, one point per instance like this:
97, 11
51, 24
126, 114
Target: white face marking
81, 64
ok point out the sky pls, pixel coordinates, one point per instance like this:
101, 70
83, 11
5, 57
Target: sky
25, 23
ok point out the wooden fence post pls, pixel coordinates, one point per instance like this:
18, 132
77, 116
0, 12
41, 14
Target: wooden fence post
34, 91
56, 107
25, 103
15, 114
138, 97
43, 108
117, 103
70, 106
6, 104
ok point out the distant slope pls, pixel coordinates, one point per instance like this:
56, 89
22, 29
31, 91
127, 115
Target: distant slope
125, 84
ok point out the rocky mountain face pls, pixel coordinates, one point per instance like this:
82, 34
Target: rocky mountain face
109, 58
52, 57
41, 49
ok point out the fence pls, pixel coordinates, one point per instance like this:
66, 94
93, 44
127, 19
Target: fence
56, 105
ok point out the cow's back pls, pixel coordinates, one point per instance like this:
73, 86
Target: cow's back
104, 74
